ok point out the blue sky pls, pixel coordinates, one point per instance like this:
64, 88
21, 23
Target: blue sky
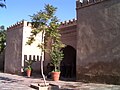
18, 10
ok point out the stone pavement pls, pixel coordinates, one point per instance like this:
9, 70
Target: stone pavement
15, 82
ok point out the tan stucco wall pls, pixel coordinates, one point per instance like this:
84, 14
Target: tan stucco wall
32, 49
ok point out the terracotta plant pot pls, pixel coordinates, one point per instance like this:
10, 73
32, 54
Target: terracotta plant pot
56, 76
28, 73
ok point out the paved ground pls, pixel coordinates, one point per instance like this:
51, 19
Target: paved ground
14, 82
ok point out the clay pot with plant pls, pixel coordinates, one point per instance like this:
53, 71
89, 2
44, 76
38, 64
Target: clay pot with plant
28, 69
56, 58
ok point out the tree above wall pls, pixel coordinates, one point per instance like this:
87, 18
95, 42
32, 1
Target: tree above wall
2, 40
2, 3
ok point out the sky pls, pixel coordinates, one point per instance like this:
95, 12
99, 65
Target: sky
18, 10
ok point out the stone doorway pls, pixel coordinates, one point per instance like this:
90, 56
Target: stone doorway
68, 64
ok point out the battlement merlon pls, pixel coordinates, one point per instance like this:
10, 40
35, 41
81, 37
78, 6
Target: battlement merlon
85, 3
20, 24
68, 23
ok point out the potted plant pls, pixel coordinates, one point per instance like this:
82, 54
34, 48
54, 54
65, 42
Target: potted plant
28, 69
55, 52
56, 58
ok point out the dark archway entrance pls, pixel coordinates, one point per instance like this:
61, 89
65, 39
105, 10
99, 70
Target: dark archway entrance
68, 64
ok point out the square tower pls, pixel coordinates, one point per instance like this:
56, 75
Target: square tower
17, 50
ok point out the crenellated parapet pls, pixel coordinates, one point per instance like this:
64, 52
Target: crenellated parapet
19, 25
25, 23
16, 25
86, 3
68, 23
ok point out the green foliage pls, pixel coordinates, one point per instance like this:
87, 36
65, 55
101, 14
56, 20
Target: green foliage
2, 4
46, 22
29, 64
2, 40
56, 56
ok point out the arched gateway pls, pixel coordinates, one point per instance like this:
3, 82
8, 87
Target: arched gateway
68, 64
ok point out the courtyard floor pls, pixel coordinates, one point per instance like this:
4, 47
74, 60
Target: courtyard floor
15, 82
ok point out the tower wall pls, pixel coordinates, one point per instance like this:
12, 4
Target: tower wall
98, 44
17, 51
13, 53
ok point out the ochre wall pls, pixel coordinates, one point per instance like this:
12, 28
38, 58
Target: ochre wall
98, 41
